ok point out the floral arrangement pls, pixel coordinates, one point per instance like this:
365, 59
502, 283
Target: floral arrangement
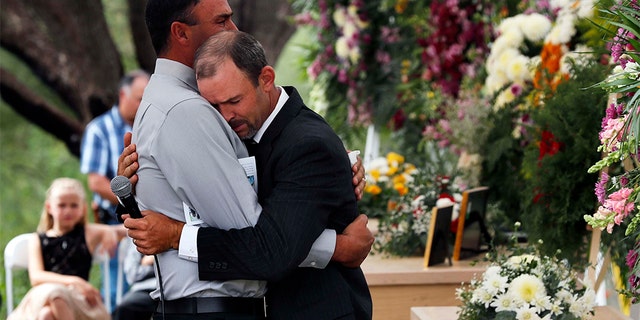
556, 190
520, 283
536, 77
403, 230
415, 46
352, 36
532, 51
401, 196
387, 177
618, 187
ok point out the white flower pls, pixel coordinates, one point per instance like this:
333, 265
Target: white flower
556, 308
560, 4
510, 24
633, 70
349, 29
518, 69
342, 48
505, 97
354, 55
542, 303
503, 302
495, 81
526, 287
340, 17
483, 296
526, 314
353, 14
535, 27
586, 9
522, 259
580, 56
563, 31
511, 39
495, 283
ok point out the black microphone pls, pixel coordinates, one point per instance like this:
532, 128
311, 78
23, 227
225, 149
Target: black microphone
121, 187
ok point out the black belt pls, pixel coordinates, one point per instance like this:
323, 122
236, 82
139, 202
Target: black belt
252, 306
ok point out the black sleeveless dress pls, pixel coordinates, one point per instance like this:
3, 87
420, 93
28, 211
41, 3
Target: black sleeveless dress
67, 254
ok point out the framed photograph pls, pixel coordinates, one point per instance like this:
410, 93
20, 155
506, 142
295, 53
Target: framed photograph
437, 249
472, 232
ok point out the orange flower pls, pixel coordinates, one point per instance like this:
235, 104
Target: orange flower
372, 189
401, 188
549, 65
401, 5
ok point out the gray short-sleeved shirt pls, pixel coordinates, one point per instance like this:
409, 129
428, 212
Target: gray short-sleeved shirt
188, 154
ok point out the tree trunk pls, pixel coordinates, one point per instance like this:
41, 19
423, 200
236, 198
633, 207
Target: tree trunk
67, 47
268, 21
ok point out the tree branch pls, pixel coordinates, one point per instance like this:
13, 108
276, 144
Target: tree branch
45, 115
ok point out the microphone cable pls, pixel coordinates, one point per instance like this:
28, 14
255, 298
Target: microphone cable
160, 285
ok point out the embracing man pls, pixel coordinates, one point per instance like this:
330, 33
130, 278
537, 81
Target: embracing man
188, 168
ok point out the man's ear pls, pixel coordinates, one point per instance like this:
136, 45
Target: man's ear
267, 77
180, 32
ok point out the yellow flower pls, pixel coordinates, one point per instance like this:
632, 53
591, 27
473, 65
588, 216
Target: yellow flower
396, 158
375, 174
401, 188
392, 170
399, 179
372, 189
409, 168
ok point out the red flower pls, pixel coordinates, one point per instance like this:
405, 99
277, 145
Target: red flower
548, 145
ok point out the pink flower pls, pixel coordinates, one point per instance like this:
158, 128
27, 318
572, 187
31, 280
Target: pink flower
610, 134
619, 203
601, 191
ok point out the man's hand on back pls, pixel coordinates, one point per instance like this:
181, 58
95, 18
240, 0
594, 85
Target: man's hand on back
358, 178
354, 244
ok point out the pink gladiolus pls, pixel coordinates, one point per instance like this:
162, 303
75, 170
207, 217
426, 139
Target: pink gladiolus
619, 203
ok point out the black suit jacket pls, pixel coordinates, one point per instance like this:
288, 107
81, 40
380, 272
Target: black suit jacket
304, 186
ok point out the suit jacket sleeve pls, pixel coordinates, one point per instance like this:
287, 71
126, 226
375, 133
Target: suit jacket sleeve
309, 185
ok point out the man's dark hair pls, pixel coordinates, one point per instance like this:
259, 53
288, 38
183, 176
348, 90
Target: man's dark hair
245, 51
160, 14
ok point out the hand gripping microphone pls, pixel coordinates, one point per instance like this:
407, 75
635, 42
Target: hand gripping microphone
121, 187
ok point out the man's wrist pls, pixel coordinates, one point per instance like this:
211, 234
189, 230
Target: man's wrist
338, 255
175, 244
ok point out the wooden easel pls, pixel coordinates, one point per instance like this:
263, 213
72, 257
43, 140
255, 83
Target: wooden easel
594, 276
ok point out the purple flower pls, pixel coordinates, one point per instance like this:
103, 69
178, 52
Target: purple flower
601, 187
632, 258
624, 181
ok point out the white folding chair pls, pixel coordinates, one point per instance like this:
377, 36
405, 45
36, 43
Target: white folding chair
103, 259
16, 257
123, 247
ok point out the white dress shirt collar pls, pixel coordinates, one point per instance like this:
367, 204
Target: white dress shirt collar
281, 101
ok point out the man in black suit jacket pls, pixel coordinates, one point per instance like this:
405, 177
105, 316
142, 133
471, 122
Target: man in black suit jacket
303, 186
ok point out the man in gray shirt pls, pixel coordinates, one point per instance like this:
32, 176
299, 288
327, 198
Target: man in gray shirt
188, 160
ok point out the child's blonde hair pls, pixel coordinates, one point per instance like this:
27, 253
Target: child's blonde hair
69, 185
